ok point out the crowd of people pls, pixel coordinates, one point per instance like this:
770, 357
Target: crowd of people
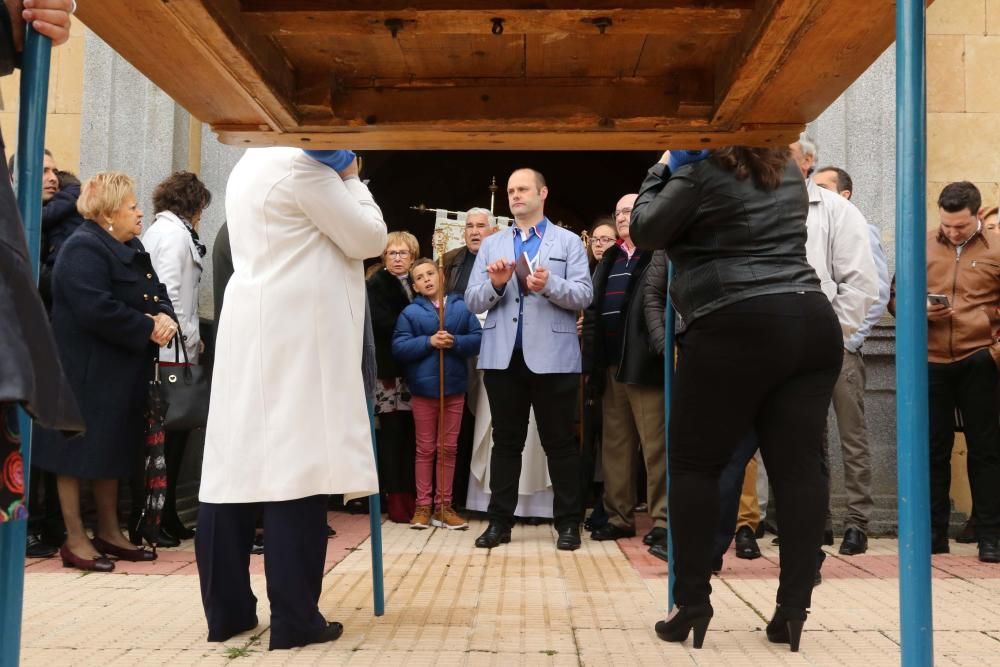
778, 280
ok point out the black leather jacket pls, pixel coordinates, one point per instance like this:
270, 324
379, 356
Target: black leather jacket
640, 363
728, 240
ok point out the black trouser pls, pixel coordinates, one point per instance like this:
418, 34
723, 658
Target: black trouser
970, 386
174, 444
463, 458
512, 393
293, 565
45, 515
766, 364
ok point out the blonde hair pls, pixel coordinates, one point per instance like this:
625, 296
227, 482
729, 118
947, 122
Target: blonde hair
404, 239
104, 193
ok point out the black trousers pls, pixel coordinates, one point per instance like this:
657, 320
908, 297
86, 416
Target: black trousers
766, 364
293, 564
512, 393
45, 515
730, 488
970, 386
463, 458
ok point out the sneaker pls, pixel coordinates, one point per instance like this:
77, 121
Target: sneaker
421, 518
446, 517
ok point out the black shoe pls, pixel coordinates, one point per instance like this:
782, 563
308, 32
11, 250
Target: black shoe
691, 617
786, 626
494, 535
258, 545
759, 533
655, 536
717, 565
989, 550
167, 539
746, 544
609, 531
35, 548
357, 506
660, 551
969, 534
221, 635
939, 544
855, 542
820, 559
331, 632
569, 537
177, 529
330, 532
828, 537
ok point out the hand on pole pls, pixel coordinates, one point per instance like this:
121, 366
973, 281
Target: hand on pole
48, 17
442, 340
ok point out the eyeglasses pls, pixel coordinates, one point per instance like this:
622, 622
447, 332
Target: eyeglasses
622, 211
402, 254
601, 240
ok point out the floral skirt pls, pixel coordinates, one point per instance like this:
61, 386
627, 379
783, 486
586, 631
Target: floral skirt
12, 501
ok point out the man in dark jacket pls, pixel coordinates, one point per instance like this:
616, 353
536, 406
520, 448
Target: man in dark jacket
458, 263
618, 355
479, 223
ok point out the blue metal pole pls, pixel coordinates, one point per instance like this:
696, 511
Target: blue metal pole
668, 386
30, 147
375, 519
911, 339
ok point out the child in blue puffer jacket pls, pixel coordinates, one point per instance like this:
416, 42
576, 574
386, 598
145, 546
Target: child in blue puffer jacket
416, 342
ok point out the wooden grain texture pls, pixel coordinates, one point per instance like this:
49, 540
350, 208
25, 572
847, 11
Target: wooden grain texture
686, 72
677, 21
556, 139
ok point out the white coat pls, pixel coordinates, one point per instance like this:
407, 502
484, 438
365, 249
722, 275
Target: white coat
178, 266
288, 417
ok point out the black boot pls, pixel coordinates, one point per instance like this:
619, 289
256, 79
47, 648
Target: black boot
786, 626
173, 453
690, 617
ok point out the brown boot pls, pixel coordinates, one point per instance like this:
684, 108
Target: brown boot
421, 518
446, 517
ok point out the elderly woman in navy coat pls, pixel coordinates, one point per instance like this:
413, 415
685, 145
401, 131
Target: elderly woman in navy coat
109, 314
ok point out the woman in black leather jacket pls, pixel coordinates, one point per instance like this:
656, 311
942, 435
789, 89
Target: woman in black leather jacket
759, 349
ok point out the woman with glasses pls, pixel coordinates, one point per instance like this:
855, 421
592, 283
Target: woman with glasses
602, 237
388, 294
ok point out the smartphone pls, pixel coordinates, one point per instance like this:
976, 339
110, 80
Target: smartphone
938, 300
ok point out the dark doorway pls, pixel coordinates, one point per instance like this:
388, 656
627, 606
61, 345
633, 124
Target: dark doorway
583, 185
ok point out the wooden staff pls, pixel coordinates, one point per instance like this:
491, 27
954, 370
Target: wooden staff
440, 242
585, 237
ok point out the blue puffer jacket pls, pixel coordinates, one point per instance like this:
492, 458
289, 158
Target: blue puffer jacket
411, 345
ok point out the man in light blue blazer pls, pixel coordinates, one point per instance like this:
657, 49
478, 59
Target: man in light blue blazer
532, 279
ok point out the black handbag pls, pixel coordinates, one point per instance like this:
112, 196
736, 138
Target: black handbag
186, 391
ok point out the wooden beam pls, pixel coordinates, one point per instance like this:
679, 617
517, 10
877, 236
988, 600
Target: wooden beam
590, 102
556, 138
762, 48
152, 39
251, 60
679, 17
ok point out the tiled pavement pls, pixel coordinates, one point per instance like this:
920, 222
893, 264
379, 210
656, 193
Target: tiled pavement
448, 603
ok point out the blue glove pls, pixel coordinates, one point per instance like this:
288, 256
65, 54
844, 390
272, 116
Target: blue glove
337, 160
678, 159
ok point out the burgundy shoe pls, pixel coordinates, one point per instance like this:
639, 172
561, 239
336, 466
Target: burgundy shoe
99, 564
133, 555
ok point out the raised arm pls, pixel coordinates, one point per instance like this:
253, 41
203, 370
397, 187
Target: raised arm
665, 207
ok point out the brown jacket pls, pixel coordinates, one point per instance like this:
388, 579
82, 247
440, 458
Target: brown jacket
971, 282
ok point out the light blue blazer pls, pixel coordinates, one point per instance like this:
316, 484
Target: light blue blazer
548, 336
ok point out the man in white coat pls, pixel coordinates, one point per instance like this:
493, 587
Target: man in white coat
288, 423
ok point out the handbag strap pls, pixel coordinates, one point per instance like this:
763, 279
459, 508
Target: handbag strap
179, 345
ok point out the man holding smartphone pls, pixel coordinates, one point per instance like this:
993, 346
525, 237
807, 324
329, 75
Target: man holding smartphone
963, 265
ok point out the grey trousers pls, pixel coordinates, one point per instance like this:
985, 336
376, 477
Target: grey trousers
849, 407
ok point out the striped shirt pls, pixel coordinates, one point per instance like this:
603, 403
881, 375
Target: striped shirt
615, 290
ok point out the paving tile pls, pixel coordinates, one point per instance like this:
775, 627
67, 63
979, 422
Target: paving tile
448, 603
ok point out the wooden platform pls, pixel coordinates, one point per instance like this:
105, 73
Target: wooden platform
499, 74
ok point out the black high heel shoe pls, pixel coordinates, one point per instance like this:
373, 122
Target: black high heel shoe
786, 626
691, 617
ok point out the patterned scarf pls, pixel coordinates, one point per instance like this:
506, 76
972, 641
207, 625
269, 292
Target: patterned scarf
194, 237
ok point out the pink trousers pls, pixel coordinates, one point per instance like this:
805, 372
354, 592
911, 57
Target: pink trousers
425, 421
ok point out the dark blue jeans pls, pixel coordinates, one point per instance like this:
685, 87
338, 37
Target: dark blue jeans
730, 488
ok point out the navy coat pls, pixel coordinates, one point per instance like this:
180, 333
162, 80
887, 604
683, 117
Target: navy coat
102, 292
411, 345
